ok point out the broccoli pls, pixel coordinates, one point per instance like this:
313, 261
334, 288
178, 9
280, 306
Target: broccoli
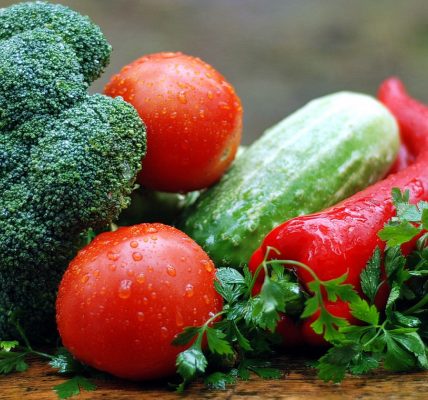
68, 160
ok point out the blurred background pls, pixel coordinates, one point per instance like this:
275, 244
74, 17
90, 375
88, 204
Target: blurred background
278, 54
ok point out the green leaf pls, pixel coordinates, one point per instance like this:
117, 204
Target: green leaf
394, 294
73, 387
397, 234
336, 288
217, 343
242, 340
363, 363
229, 276
311, 307
370, 276
424, 218
332, 365
361, 310
219, 380
405, 320
186, 336
397, 358
328, 325
191, 362
413, 343
8, 345
11, 361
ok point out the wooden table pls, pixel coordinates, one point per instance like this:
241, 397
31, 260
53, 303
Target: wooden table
299, 382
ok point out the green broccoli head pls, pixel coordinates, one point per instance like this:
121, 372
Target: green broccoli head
68, 162
76, 174
39, 74
79, 32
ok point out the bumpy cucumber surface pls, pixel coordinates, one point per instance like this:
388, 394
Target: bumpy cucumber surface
326, 151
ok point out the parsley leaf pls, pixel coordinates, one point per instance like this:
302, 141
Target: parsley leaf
370, 276
73, 387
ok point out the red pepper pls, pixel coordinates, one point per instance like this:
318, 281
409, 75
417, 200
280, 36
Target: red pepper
342, 238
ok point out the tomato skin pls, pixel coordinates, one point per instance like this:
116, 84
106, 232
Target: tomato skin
193, 118
126, 296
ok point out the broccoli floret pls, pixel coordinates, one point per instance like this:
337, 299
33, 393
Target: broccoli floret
68, 163
79, 32
39, 73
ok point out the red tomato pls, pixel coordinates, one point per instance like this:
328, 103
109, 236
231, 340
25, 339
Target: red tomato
126, 296
193, 118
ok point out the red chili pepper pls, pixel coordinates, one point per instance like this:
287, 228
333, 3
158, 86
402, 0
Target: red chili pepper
342, 238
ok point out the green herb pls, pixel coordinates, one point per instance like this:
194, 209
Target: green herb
73, 387
244, 335
14, 356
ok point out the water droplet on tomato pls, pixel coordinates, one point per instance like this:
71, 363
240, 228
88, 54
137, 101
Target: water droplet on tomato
151, 229
140, 316
206, 299
97, 273
208, 265
125, 289
182, 97
141, 277
153, 295
130, 273
150, 268
210, 94
164, 331
111, 255
179, 321
85, 278
171, 270
137, 256
134, 244
202, 113
189, 291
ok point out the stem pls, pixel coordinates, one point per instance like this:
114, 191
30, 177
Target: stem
297, 264
204, 327
417, 306
381, 328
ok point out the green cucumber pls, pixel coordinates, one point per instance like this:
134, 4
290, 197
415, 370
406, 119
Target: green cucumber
323, 153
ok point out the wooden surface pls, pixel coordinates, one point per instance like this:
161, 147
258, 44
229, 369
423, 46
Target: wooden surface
298, 382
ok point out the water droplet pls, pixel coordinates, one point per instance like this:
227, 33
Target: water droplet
189, 292
130, 273
125, 289
97, 273
154, 237
179, 321
202, 113
112, 256
195, 310
137, 256
189, 269
164, 309
145, 239
85, 278
141, 277
207, 299
173, 115
153, 295
210, 94
182, 97
150, 268
159, 316
145, 300
140, 316
134, 244
208, 265
164, 332
171, 270
103, 290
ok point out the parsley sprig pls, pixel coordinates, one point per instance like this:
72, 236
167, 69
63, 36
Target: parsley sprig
239, 342
14, 358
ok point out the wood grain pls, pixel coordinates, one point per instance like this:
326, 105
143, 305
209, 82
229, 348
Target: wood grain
299, 382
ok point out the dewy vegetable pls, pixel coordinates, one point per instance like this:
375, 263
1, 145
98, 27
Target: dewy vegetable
343, 238
68, 160
323, 153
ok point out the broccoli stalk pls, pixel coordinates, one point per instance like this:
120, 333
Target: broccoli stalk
68, 160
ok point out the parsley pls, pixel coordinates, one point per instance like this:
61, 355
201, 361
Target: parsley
244, 335
14, 356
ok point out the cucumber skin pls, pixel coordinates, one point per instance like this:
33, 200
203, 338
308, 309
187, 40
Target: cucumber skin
328, 150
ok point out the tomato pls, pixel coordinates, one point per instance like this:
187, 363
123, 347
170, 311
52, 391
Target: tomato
193, 118
128, 293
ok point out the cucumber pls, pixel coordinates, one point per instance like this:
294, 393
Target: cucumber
323, 153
